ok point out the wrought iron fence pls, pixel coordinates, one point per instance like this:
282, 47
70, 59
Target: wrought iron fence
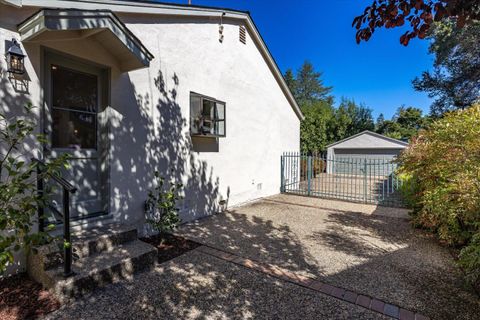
365, 180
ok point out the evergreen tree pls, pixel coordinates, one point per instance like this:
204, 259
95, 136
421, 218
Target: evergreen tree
380, 121
351, 119
314, 129
455, 80
317, 106
290, 80
309, 86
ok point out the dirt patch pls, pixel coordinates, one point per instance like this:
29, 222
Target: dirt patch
22, 298
170, 246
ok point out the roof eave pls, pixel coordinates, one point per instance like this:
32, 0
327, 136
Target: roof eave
368, 132
145, 7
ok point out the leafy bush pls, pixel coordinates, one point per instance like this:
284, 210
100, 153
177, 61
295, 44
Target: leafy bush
161, 205
18, 198
470, 260
445, 163
409, 190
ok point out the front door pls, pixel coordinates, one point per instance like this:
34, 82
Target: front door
74, 104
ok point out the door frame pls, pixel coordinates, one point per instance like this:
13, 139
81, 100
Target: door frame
103, 121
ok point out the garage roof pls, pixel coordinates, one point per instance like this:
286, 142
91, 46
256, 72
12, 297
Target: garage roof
372, 143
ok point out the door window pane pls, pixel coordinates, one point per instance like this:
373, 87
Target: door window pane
73, 129
74, 90
74, 109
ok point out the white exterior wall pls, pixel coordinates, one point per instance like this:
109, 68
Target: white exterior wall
259, 120
149, 122
12, 101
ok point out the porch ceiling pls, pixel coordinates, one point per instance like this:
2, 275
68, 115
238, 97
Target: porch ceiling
101, 25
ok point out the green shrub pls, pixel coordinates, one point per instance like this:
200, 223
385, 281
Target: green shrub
161, 205
409, 190
470, 259
444, 163
18, 198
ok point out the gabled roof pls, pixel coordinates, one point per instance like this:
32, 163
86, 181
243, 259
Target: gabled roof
104, 25
153, 7
381, 136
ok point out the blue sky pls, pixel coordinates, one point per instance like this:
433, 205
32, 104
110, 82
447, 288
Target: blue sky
377, 73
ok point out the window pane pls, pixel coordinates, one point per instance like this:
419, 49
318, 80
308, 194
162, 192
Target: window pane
207, 127
220, 128
73, 129
208, 109
195, 114
207, 116
220, 110
74, 90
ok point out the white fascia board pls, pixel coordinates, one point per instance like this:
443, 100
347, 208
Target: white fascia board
14, 3
175, 10
378, 135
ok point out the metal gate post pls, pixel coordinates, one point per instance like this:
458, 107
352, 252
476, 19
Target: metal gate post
365, 180
282, 177
309, 173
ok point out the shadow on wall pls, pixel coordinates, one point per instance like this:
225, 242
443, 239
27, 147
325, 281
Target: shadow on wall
13, 98
150, 136
147, 136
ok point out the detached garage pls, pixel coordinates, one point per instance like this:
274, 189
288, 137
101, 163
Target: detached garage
364, 151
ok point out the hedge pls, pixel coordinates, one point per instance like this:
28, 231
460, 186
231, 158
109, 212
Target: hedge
443, 162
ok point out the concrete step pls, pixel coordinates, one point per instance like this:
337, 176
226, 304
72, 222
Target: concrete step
84, 244
101, 268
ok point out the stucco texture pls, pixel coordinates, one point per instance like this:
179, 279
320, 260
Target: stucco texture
147, 116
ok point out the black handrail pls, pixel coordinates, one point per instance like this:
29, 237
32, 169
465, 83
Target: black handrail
61, 181
68, 189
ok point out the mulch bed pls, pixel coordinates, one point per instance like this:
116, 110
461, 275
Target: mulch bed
170, 246
22, 298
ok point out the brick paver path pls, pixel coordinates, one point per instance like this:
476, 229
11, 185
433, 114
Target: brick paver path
367, 302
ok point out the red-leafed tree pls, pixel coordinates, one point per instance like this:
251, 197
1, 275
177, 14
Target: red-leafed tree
420, 14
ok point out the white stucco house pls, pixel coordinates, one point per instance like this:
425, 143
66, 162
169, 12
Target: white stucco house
130, 87
365, 146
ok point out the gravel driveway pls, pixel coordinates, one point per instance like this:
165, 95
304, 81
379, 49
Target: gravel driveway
199, 286
369, 250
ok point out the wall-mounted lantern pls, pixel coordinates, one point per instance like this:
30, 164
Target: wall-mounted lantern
15, 58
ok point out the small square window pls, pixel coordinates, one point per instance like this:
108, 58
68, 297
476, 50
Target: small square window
207, 116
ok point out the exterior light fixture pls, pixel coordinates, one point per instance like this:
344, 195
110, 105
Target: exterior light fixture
15, 58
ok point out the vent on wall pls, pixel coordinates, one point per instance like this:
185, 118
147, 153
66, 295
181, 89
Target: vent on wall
243, 35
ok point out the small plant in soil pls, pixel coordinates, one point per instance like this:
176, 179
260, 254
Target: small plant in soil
170, 246
161, 205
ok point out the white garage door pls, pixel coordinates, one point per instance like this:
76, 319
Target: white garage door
378, 162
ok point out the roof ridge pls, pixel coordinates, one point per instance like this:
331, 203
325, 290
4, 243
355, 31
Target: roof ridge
369, 132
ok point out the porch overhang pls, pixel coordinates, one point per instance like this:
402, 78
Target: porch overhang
101, 25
